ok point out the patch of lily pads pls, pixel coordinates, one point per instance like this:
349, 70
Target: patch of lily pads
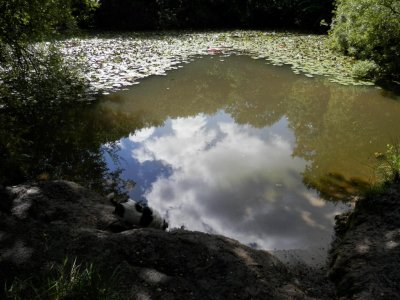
110, 62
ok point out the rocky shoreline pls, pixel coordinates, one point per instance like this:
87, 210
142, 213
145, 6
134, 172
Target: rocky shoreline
365, 256
43, 223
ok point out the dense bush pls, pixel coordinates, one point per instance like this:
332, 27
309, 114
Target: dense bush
39, 92
211, 14
30, 19
369, 30
25, 21
364, 69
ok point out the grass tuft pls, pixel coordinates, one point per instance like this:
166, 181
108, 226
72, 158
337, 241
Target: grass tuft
389, 163
388, 170
68, 281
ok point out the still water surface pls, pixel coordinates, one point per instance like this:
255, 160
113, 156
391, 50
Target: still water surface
236, 146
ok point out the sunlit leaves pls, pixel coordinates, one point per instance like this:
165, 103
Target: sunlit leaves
369, 30
111, 62
23, 22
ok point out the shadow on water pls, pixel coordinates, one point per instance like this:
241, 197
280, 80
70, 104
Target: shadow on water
390, 89
335, 187
48, 132
60, 145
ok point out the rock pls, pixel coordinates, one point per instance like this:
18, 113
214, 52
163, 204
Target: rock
43, 223
365, 257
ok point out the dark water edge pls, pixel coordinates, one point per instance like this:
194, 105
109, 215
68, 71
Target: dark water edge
156, 15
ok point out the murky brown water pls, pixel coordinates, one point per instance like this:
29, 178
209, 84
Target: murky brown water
235, 146
227, 145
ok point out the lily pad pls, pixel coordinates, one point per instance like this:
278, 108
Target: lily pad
109, 62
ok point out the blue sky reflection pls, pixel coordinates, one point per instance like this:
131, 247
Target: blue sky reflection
210, 174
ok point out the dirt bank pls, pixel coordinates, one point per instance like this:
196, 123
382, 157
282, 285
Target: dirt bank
365, 257
41, 224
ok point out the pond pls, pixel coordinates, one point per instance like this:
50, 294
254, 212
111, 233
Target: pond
236, 146
225, 144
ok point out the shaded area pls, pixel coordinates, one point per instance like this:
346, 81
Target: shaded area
44, 223
334, 186
212, 14
60, 144
365, 256
44, 127
49, 129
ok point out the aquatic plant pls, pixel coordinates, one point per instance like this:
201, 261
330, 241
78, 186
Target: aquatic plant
110, 62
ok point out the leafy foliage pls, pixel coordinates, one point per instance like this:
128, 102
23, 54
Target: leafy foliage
40, 96
369, 30
83, 11
364, 69
41, 84
389, 163
23, 22
43, 124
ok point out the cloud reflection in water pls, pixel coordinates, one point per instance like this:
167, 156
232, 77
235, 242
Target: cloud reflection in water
231, 179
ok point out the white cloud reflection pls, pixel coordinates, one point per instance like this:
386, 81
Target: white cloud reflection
142, 135
234, 180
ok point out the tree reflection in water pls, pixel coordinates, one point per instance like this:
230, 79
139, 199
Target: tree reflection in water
48, 132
